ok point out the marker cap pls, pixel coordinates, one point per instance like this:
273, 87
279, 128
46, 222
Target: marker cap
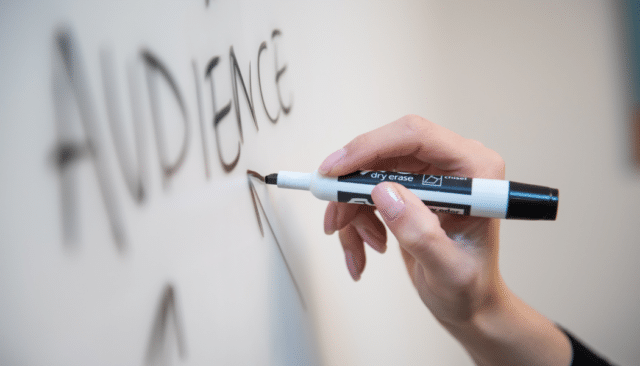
530, 202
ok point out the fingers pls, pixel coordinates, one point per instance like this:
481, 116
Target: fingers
425, 142
338, 215
357, 224
353, 251
410, 135
368, 226
418, 231
410, 144
371, 230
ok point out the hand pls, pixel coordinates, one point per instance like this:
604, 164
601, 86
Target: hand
452, 260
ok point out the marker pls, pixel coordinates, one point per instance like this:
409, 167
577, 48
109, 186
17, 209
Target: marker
457, 195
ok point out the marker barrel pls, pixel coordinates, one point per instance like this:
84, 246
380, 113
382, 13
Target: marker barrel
456, 195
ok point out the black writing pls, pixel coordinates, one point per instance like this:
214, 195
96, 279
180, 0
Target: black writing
73, 100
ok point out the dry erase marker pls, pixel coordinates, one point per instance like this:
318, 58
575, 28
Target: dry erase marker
457, 195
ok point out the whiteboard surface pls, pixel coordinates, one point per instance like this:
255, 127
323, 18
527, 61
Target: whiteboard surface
189, 277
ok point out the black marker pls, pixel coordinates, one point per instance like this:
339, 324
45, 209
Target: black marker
457, 195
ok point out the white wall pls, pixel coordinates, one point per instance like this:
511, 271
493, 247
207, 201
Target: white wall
541, 83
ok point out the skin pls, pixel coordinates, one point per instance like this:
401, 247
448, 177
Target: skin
452, 260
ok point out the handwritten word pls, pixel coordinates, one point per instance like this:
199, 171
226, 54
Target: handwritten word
73, 97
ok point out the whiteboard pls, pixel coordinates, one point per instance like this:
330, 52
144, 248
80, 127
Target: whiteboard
131, 232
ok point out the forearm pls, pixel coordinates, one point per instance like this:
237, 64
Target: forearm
510, 332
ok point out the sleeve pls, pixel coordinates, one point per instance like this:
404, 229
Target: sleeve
583, 356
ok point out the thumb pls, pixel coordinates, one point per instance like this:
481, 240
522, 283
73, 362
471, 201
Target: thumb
417, 229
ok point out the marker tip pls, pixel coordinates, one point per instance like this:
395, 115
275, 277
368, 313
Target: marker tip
271, 178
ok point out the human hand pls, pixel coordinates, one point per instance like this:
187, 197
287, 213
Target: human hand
451, 259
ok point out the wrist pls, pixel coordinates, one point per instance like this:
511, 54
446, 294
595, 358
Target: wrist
505, 330
487, 321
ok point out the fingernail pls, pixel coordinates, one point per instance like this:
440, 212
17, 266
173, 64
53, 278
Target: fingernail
374, 241
351, 265
331, 161
392, 203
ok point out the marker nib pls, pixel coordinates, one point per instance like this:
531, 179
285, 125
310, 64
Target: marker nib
271, 179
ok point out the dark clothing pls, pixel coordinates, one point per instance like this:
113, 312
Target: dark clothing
583, 356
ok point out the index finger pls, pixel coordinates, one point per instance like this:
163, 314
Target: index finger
410, 136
